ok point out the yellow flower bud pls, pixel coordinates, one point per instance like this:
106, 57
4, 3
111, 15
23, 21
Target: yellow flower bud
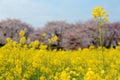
54, 39
22, 40
9, 40
100, 12
44, 34
22, 33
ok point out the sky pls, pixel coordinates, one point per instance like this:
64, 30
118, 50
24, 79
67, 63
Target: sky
38, 12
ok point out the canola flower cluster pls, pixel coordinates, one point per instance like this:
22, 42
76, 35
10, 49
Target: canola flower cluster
99, 12
53, 39
33, 61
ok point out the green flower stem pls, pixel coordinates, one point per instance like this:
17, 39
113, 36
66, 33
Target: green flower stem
101, 41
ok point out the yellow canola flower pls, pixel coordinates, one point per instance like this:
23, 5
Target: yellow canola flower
64, 76
99, 12
22, 40
54, 38
35, 44
18, 69
102, 72
90, 75
9, 40
22, 33
42, 78
44, 34
43, 46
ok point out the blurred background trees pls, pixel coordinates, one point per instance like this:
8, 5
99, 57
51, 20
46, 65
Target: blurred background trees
70, 36
11, 28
